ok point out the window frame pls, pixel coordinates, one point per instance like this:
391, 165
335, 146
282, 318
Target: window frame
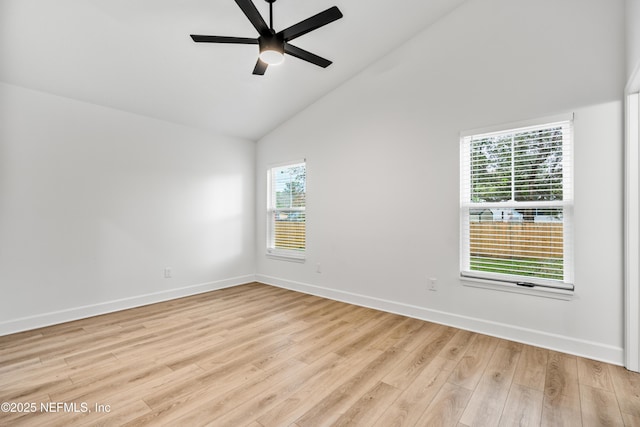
503, 281
271, 250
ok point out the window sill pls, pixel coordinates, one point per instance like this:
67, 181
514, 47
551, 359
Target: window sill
286, 256
560, 294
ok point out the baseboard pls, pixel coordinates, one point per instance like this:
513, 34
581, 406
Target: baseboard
564, 344
583, 348
62, 316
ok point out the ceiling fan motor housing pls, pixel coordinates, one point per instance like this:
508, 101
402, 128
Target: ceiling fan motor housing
271, 41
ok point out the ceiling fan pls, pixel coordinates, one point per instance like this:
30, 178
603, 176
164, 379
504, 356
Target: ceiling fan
274, 45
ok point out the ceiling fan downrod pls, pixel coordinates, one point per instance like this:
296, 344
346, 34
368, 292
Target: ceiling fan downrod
271, 2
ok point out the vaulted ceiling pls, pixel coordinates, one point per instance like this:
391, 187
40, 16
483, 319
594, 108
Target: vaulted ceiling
137, 56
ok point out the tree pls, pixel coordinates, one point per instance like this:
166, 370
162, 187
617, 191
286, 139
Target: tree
525, 166
293, 193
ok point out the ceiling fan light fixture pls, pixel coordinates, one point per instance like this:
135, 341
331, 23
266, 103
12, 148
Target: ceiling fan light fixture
272, 57
271, 51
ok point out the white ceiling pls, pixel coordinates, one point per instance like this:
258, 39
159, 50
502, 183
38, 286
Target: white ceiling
137, 56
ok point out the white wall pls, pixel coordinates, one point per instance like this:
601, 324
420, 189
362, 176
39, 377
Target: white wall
95, 203
383, 178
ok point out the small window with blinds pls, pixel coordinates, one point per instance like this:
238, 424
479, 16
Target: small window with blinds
286, 219
517, 204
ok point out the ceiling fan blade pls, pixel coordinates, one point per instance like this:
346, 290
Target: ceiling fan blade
253, 15
260, 67
310, 24
306, 56
222, 39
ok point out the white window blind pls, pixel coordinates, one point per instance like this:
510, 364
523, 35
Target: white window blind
517, 205
286, 217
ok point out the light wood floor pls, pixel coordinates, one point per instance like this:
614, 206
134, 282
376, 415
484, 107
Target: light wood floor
256, 355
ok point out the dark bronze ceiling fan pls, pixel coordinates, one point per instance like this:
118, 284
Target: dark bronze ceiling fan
274, 45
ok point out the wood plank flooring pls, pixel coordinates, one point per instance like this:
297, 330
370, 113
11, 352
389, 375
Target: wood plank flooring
256, 355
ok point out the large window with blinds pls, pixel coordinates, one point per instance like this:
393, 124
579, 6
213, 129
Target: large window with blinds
286, 204
517, 204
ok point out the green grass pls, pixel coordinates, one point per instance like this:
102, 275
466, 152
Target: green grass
550, 268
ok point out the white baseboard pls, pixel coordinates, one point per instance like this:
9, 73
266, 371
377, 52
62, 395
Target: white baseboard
56, 317
564, 344
583, 348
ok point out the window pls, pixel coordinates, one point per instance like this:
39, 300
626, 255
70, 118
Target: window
286, 220
517, 204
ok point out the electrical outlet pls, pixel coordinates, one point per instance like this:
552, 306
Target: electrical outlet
167, 273
433, 284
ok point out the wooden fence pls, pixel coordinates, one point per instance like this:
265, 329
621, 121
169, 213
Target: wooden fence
290, 235
495, 239
520, 240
